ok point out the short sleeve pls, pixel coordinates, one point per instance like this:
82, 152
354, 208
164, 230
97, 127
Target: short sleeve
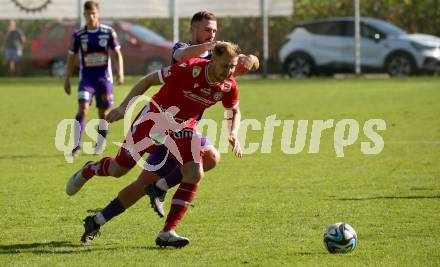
230, 97
74, 44
171, 74
176, 46
114, 43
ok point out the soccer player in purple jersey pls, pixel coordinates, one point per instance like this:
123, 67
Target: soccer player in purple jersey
95, 43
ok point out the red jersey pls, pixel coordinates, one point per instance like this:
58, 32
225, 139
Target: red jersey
186, 87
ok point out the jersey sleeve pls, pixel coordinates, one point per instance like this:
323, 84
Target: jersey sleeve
74, 44
114, 43
172, 73
230, 98
175, 47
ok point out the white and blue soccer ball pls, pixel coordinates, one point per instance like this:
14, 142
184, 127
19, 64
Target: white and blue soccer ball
340, 238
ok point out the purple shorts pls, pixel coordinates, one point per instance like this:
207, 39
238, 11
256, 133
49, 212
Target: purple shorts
102, 89
170, 164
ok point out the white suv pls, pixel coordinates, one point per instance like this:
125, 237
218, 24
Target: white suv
328, 45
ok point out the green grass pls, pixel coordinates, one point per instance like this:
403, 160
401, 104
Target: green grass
265, 209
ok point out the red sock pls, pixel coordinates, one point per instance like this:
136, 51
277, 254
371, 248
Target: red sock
99, 168
181, 200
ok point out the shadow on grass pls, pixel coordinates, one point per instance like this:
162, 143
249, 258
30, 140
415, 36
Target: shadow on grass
13, 157
63, 247
389, 197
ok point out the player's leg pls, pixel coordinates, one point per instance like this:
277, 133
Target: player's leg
165, 165
210, 157
102, 131
125, 199
104, 101
9, 56
85, 97
157, 191
83, 110
118, 166
192, 172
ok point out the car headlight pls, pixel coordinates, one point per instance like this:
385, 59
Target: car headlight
420, 47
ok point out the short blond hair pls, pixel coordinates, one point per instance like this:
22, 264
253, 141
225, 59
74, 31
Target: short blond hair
222, 48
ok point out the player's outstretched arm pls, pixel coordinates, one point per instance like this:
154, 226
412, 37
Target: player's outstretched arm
245, 64
193, 51
119, 65
234, 117
141, 86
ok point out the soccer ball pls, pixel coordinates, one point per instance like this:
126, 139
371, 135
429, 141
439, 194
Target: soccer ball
340, 238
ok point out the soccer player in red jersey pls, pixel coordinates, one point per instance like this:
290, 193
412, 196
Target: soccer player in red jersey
189, 87
203, 29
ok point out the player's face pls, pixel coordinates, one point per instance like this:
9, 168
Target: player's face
224, 67
204, 30
92, 17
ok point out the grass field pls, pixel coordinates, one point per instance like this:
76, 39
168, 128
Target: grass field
267, 209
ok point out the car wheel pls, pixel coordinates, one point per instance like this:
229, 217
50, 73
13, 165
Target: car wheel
400, 65
58, 68
299, 66
154, 65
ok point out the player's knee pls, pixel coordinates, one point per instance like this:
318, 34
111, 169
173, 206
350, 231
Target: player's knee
192, 173
211, 159
120, 172
116, 170
82, 112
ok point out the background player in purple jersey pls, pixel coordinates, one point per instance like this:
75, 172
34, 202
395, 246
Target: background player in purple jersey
203, 30
96, 44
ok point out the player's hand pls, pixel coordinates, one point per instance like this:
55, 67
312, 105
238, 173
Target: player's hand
245, 64
120, 79
115, 114
67, 86
211, 45
236, 147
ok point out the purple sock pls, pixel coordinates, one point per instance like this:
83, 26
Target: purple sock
80, 120
174, 177
114, 208
103, 133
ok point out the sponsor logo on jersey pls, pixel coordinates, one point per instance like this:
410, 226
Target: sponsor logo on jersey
103, 36
226, 87
183, 65
183, 134
103, 42
95, 59
196, 71
197, 98
218, 96
206, 91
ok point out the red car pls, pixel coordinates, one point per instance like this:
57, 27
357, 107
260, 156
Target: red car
143, 50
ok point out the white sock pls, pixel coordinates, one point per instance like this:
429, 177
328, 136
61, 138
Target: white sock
162, 184
99, 218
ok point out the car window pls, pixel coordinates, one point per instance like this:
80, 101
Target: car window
320, 28
385, 27
123, 37
370, 32
56, 33
145, 34
341, 28
332, 28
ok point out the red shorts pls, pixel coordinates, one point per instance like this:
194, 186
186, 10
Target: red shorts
147, 133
